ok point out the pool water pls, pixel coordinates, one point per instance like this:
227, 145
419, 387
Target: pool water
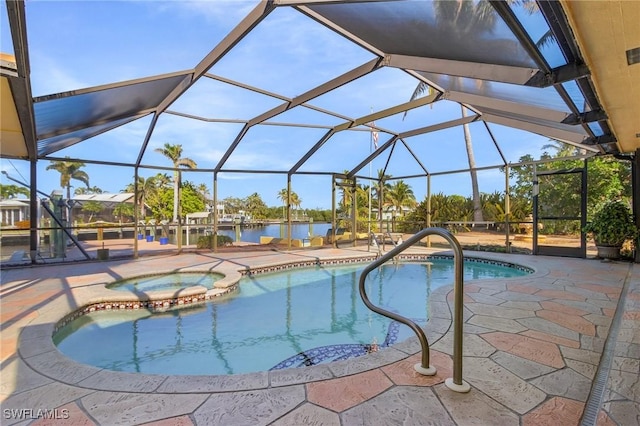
277, 320
175, 281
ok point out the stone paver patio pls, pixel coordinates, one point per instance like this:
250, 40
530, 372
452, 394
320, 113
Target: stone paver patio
552, 348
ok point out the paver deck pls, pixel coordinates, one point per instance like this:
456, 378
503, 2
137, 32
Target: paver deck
533, 347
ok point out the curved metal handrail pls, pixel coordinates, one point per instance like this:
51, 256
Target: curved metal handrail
394, 243
456, 384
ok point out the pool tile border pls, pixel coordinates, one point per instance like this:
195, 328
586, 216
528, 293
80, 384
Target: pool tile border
350, 260
159, 303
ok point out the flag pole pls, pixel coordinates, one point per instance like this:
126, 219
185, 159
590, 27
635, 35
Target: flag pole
369, 217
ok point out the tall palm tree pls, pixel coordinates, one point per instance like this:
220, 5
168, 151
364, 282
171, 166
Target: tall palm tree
463, 19
477, 206
69, 170
475, 189
174, 153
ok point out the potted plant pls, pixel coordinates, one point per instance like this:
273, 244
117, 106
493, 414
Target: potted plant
103, 253
611, 226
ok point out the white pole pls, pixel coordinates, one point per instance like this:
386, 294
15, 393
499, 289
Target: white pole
369, 217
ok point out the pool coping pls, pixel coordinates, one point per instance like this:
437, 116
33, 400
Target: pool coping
36, 347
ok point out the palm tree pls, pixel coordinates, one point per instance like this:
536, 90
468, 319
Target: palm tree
346, 192
562, 149
10, 191
477, 206
475, 190
362, 211
203, 190
381, 187
255, 206
146, 187
162, 180
123, 209
465, 19
69, 170
174, 153
88, 190
401, 195
283, 195
295, 202
362, 199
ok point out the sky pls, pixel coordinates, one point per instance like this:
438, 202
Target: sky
81, 44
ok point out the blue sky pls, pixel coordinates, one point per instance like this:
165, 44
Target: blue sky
79, 44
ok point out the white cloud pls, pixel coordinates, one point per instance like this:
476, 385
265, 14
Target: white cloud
225, 11
51, 76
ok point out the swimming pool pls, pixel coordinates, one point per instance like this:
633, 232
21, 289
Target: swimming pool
275, 320
174, 280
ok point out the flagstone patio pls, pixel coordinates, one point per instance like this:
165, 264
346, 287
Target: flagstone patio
557, 347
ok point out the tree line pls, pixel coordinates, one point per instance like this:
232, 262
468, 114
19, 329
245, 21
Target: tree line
608, 178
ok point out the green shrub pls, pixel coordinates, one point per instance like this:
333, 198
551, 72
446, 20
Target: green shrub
612, 224
207, 241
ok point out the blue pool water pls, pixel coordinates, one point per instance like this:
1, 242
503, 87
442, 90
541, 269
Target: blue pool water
277, 320
175, 280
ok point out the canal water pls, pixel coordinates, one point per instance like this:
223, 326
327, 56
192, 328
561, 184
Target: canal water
298, 231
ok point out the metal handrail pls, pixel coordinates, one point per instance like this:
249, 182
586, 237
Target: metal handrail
395, 244
375, 243
456, 384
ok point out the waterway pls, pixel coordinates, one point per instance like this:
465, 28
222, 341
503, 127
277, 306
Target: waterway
298, 231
